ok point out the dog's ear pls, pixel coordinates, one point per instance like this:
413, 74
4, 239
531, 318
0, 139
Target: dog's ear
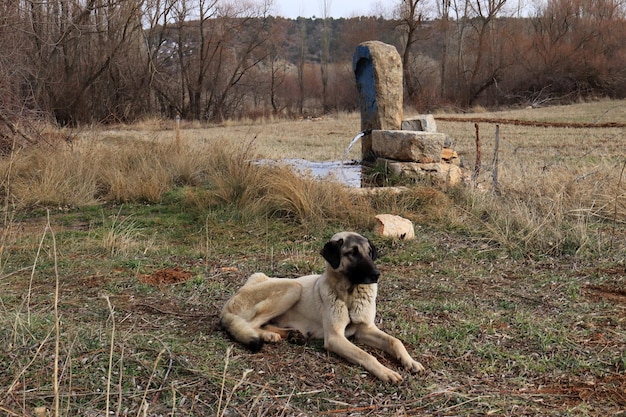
332, 252
374, 251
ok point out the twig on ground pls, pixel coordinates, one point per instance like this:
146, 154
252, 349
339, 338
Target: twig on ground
19, 375
351, 409
17, 271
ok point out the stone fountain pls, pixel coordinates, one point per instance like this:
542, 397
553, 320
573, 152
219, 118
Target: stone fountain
408, 148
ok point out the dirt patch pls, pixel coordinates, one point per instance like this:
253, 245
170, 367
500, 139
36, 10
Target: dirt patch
166, 276
610, 389
606, 293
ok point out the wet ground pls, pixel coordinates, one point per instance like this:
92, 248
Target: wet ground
347, 172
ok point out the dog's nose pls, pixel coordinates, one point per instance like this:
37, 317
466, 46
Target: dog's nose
373, 276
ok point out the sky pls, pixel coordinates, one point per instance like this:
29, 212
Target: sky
338, 8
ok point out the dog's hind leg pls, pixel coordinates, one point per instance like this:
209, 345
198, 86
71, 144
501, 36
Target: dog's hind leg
283, 333
284, 294
259, 301
257, 278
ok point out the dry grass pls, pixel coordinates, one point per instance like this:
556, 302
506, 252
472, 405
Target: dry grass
316, 140
54, 177
308, 201
560, 189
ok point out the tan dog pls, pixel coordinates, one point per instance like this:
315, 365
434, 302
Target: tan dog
337, 304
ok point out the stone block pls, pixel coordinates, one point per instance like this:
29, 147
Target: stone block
377, 67
390, 225
450, 156
407, 145
422, 123
439, 173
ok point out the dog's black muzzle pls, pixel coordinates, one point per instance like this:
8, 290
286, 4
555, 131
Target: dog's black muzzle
364, 273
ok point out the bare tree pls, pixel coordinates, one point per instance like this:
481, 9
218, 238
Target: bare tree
575, 49
301, 63
83, 57
161, 56
479, 63
486, 11
325, 52
444, 12
409, 20
216, 44
277, 62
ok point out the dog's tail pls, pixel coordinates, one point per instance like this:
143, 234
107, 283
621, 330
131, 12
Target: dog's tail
241, 330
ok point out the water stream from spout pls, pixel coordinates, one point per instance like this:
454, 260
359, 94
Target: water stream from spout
345, 154
349, 148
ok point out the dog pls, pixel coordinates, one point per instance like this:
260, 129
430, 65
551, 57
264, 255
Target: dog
339, 303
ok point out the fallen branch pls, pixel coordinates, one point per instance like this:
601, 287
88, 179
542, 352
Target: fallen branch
16, 130
350, 410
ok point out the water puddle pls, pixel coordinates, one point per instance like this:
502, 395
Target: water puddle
349, 173
346, 172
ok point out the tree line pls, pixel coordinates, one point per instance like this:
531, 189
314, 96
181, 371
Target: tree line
111, 61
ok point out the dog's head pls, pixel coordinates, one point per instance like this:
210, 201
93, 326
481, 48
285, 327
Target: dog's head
353, 256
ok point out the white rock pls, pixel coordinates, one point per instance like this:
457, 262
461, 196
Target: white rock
394, 226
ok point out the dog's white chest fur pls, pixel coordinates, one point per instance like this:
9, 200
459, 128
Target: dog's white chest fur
362, 308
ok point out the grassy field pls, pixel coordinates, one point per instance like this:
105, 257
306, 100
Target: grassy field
117, 253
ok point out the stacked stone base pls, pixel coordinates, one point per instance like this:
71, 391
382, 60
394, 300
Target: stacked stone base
421, 154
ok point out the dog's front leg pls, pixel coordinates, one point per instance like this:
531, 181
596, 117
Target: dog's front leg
336, 342
372, 336
335, 322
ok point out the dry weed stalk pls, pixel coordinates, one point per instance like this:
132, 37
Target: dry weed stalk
143, 407
221, 408
32, 272
111, 348
57, 319
617, 196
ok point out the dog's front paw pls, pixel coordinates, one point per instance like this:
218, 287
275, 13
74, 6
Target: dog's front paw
389, 376
414, 366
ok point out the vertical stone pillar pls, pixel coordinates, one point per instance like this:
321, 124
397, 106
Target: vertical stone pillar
378, 70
